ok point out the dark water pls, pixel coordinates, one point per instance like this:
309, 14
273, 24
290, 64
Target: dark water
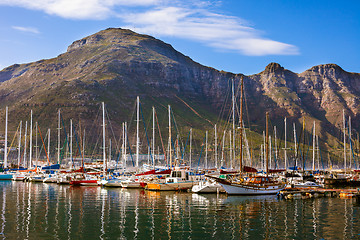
50, 211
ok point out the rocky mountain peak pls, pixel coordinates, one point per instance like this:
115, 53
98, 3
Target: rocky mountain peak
111, 36
273, 68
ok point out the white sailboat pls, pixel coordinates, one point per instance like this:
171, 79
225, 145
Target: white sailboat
256, 185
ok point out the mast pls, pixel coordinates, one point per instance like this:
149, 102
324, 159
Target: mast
36, 143
344, 128
285, 155
170, 151
232, 148
190, 146
153, 138
137, 130
6, 137
276, 149
295, 144
350, 148
19, 145
230, 143
216, 148
58, 148
71, 138
267, 143
241, 122
313, 164
48, 150
223, 149
30, 145
25, 146
270, 152
125, 140
206, 149
104, 143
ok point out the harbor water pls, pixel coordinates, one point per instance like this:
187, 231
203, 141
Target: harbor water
51, 211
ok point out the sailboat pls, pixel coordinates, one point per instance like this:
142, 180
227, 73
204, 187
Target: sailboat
254, 185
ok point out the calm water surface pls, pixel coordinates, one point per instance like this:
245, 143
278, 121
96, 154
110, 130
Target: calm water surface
51, 211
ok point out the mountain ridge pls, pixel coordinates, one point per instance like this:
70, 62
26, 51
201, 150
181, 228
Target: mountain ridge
116, 65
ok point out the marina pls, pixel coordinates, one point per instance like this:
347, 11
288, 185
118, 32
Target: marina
30, 210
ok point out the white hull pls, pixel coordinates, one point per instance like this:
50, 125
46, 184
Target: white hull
207, 188
126, 184
243, 189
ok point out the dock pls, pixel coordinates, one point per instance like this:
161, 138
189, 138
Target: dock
304, 193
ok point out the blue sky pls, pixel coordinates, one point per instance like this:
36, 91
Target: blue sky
232, 35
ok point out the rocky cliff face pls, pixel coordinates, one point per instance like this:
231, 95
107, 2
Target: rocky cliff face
116, 65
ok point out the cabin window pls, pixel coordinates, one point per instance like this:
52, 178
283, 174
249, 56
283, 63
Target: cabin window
187, 176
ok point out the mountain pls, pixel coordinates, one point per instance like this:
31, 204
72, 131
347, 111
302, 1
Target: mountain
116, 65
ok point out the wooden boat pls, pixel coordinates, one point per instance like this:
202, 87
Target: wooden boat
257, 185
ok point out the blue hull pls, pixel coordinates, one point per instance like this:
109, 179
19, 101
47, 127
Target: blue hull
5, 176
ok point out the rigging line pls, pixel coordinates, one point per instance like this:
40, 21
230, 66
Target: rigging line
16, 133
111, 128
182, 156
202, 147
79, 149
66, 138
193, 110
224, 104
147, 138
162, 142
43, 145
177, 130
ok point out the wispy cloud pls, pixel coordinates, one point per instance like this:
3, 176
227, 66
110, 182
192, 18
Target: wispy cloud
26, 29
196, 20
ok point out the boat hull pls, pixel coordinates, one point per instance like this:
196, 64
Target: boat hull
243, 189
6, 176
181, 186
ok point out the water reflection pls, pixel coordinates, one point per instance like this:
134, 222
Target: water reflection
50, 211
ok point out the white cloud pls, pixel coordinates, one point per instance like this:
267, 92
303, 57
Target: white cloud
215, 30
26, 29
77, 9
187, 19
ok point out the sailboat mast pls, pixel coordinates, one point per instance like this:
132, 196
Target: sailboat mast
30, 145
25, 145
153, 138
206, 149
190, 146
285, 155
19, 146
344, 129
215, 147
223, 149
295, 144
267, 143
230, 143
71, 137
6, 138
48, 150
125, 142
313, 163
104, 143
58, 149
137, 130
232, 152
241, 122
170, 150
350, 148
